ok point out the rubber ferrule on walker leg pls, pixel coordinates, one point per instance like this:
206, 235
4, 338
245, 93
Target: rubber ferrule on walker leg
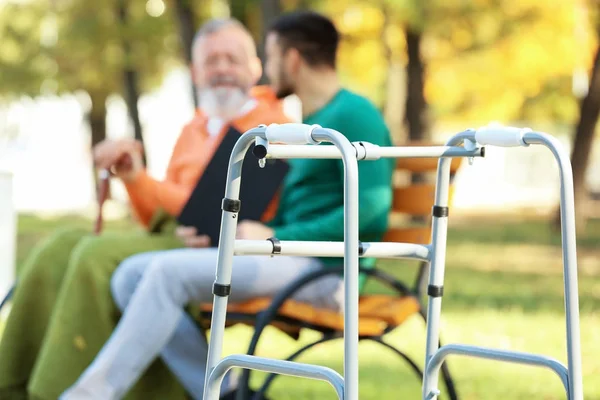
276, 245
440, 212
231, 205
435, 291
221, 290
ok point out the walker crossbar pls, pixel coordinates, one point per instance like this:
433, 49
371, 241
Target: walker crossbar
499, 355
505, 137
331, 249
278, 367
368, 151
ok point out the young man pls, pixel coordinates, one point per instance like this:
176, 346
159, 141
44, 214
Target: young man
301, 50
62, 311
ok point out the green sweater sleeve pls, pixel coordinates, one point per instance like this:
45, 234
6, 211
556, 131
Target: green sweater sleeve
372, 215
375, 193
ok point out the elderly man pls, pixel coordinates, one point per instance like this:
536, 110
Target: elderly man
301, 51
62, 309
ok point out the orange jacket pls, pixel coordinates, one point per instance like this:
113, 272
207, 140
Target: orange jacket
191, 154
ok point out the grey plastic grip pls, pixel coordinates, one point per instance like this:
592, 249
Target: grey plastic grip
501, 136
291, 133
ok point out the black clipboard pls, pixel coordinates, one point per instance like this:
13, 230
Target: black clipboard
258, 188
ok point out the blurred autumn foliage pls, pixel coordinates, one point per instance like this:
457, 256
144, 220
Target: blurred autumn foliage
425, 64
484, 59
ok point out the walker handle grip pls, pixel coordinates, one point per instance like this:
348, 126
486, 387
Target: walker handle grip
291, 133
501, 136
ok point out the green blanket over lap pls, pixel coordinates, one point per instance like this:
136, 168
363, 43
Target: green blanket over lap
63, 313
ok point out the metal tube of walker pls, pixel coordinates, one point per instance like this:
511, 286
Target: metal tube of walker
225, 259
437, 267
408, 251
351, 274
371, 152
569, 253
500, 355
512, 137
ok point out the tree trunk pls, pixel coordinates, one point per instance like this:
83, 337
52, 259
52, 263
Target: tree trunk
186, 23
304, 4
239, 10
130, 79
582, 145
132, 96
97, 121
97, 117
416, 107
270, 9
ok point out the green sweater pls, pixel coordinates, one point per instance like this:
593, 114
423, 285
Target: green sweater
312, 199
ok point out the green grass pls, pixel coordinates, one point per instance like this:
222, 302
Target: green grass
503, 288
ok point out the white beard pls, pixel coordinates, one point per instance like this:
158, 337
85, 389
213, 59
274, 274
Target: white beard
223, 102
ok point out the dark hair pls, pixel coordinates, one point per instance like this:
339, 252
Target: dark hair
313, 35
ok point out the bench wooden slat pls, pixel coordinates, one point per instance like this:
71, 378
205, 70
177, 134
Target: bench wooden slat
415, 199
420, 165
417, 235
376, 313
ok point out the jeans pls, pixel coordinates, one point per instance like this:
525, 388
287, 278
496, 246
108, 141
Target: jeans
153, 294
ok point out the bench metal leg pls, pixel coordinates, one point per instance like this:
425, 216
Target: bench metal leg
406, 358
259, 395
452, 394
267, 316
263, 390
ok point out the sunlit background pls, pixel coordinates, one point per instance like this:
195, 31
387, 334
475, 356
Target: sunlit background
69, 68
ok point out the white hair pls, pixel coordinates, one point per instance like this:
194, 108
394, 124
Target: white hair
219, 24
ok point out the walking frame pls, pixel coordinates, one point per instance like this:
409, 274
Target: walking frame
302, 141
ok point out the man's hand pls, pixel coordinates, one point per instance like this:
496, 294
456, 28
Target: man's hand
190, 237
108, 152
123, 157
252, 230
